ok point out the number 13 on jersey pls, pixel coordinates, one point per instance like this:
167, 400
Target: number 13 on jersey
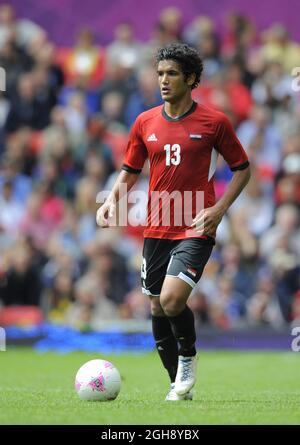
172, 154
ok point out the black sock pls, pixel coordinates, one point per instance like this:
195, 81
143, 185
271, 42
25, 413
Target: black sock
166, 344
183, 326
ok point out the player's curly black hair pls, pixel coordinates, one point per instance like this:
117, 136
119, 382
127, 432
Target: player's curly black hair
187, 58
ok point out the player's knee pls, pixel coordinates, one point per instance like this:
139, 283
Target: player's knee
156, 308
171, 304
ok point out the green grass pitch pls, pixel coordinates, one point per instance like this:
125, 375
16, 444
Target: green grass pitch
232, 388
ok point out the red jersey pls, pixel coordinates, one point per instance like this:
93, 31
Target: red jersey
183, 154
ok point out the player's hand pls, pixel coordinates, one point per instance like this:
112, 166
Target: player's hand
106, 211
207, 221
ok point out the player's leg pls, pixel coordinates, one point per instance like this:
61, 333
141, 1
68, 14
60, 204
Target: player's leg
174, 295
156, 256
165, 341
185, 269
167, 347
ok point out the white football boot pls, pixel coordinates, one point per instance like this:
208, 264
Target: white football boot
172, 396
186, 374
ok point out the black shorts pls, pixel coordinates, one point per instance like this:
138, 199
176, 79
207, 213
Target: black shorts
185, 259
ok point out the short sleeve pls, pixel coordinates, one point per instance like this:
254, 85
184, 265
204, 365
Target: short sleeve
136, 151
227, 143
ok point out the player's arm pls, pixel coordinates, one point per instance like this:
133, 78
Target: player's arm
207, 220
228, 145
123, 184
136, 154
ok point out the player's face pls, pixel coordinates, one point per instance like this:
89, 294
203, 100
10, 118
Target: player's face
172, 83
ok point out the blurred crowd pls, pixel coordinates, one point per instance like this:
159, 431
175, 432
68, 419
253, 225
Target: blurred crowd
65, 115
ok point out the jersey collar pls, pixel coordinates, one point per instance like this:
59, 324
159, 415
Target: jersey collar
179, 118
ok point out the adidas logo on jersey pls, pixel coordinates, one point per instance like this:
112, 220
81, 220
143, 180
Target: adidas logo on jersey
196, 136
152, 137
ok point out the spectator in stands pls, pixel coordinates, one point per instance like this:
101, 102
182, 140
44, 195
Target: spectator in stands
134, 307
59, 297
75, 117
228, 308
296, 310
279, 48
287, 183
26, 109
90, 307
25, 29
85, 59
45, 57
261, 139
273, 88
11, 210
254, 207
34, 223
241, 265
21, 285
81, 85
14, 62
209, 48
240, 36
125, 50
7, 23
170, 18
263, 307
200, 27
112, 108
285, 266
86, 191
11, 171
111, 270
59, 258
285, 227
145, 97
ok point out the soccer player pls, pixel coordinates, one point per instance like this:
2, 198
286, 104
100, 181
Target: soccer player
182, 140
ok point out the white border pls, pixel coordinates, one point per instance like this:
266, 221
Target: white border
147, 292
185, 278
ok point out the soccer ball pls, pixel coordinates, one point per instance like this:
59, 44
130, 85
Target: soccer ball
98, 380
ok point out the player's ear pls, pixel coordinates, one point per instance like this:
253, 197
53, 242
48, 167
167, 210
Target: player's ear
191, 79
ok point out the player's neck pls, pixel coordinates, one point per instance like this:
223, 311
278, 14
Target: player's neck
175, 110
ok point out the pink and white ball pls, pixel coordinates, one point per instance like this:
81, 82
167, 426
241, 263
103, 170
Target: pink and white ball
98, 380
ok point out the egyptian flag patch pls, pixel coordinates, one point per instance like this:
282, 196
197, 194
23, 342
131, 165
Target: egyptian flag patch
192, 271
